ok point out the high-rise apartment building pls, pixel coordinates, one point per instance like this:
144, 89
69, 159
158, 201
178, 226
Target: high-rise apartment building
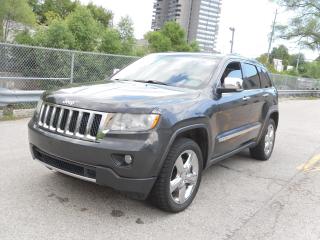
200, 19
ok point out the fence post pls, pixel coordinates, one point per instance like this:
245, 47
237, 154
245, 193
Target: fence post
286, 80
72, 66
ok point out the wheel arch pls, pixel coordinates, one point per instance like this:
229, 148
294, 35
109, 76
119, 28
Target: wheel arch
273, 113
275, 116
201, 137
197, 132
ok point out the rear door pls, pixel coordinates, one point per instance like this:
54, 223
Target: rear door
266, 85
268, 92
255, 95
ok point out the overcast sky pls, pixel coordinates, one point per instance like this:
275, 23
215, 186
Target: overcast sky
252, 20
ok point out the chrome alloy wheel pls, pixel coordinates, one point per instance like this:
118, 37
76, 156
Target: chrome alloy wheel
269, 140
184, 176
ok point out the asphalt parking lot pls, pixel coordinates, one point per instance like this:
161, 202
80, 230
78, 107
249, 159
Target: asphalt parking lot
239, 198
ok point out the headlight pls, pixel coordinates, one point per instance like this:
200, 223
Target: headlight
38, 108
132, 122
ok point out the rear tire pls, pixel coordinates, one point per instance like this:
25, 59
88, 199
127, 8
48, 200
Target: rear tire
265, 146
179, 178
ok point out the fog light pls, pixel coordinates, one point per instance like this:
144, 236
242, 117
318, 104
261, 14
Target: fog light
128, 159
122, 160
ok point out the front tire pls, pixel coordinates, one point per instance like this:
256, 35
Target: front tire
179, 178
265, 146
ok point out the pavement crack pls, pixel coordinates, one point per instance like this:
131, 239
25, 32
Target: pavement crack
277, 180
269, 201
278, 207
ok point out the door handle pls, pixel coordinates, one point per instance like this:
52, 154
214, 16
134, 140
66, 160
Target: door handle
245, 98
265, 95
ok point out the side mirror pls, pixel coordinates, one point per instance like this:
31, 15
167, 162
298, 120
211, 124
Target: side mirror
231, 85
115, 70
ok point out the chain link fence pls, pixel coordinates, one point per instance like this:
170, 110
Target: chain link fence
38, 68
286, 82
30, 68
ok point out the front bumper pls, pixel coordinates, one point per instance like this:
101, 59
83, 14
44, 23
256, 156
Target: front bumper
94, 161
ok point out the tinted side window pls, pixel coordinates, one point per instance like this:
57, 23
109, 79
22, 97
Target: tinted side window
265, 79
251, 77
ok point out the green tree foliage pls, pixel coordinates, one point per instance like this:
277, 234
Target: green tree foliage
51, 16
35, 6
62, 7
58, 35
293, 59
171, 37
263, 58
100, 14
84, 28
194, 46
126, 32
305, 69
78, 31
175, 33
111, 42
140, 50
14, 10
281, 53
158, 42
24, 38
58, 8
68, 24
125, 28
47, 9
305, 25
312, 70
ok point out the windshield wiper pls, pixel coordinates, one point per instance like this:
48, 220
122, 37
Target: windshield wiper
151, 81
119, 79
142, 81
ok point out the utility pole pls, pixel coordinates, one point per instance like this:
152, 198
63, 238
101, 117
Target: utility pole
272, 33
298, 60
232, 29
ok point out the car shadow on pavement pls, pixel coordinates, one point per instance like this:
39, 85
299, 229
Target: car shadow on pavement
89, 197
85, 197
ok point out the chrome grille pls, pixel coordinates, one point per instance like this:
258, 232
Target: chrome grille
71, 122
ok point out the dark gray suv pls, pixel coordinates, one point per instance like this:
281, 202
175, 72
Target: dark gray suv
154, 126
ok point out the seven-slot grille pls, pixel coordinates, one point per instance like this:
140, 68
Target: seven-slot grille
72, 122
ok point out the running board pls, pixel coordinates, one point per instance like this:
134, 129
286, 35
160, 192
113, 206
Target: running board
229, 154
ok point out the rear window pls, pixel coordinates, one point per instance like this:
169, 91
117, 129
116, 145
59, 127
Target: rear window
265, 79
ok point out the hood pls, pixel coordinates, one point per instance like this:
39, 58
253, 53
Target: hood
122, 96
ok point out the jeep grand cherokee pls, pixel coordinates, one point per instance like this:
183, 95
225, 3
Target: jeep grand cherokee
157, 124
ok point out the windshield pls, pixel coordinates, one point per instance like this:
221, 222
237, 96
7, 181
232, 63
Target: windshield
174, 70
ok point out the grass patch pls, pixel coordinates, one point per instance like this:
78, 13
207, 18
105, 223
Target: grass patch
15, 112
282, 99
11, 118
310, 98
8, 118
